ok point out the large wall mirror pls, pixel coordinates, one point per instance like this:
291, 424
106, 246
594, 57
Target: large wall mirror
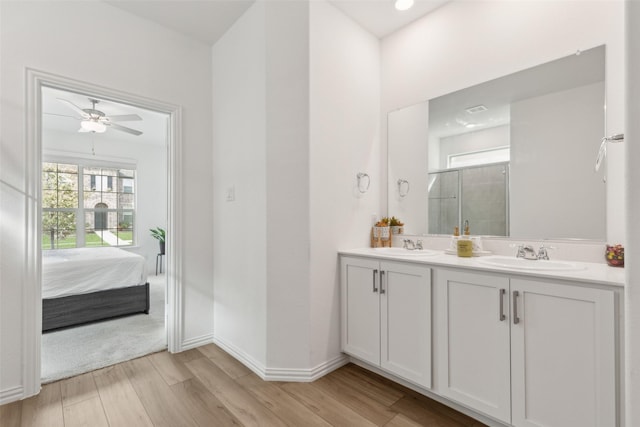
513, 156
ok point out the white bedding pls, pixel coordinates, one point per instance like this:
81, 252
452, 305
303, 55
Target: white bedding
84, 270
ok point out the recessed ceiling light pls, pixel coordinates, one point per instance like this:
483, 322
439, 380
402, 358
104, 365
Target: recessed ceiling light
403, 4
468, 125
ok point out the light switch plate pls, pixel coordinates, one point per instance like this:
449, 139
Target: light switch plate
231, 193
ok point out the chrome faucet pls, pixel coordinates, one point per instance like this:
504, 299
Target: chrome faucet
543, 252
526, 252
408, 244
411, 245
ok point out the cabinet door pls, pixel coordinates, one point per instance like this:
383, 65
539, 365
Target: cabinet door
473, 351
405, 310
360, 308
563, 356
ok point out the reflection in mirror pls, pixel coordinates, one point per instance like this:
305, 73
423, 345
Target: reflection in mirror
513, 156
408, 131
478, 194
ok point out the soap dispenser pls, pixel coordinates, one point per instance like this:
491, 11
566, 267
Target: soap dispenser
464, 243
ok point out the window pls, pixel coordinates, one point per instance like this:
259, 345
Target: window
87, 206
473, 158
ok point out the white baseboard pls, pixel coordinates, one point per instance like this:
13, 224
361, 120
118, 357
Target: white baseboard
196, 342
306, 375
11, 394
282, 374
248, 361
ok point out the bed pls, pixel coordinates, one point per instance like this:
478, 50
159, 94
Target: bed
83, 285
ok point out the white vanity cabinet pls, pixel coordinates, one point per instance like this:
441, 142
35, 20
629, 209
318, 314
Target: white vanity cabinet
563, 358
386, 316
474, 360
527, 352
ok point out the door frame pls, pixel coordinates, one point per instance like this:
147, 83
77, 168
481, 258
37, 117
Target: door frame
32, 291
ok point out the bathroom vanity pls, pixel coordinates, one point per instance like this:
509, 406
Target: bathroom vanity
537, 345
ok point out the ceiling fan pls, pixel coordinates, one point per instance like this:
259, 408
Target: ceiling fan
93, 120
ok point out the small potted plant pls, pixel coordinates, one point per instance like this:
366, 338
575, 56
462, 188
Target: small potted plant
160, 234
381, 229
397, 226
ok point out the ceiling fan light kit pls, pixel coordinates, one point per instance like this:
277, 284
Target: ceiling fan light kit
92, 126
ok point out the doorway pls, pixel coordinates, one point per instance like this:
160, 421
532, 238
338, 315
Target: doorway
36, 81
100, 216
104, 185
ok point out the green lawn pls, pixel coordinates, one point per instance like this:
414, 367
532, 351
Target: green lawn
91, 240
67, 242
125, 235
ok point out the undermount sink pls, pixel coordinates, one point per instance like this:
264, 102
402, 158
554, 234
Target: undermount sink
527, 264
404, 252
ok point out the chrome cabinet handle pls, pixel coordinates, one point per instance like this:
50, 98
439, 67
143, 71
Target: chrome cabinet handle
516, 319
382, 291
375, 274
501, 315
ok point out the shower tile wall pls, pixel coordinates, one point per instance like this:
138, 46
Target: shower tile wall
443, 202
482, 191
484, 199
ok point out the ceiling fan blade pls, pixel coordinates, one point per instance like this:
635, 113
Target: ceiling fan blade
74, 107
124, 118
124, 129
62, 115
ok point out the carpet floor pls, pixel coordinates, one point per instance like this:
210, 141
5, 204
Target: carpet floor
73, 351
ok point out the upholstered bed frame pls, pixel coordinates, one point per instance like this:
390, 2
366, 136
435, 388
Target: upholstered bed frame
76, 310
82, 285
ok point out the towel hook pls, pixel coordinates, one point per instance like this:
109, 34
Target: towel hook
602, 152
401, 183
363, 177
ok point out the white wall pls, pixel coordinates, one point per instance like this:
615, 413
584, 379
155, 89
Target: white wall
151, 178
344, 140
296, 117
261, 253
632, 267
465, 43
288, 192
408, 153
239, 153
143, 59
545, 131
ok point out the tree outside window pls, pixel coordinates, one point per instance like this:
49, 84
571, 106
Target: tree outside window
103, 206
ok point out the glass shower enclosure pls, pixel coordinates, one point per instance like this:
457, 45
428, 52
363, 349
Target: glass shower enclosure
478, 194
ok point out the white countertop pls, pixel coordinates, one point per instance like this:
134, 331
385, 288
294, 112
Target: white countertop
589, 272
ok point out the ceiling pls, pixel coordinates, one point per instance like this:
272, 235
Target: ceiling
203, 20
57, 116
208, 20
380, 17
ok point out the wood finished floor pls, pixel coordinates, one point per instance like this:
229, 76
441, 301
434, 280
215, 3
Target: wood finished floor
207, 387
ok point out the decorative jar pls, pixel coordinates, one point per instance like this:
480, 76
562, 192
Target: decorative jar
615, 255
